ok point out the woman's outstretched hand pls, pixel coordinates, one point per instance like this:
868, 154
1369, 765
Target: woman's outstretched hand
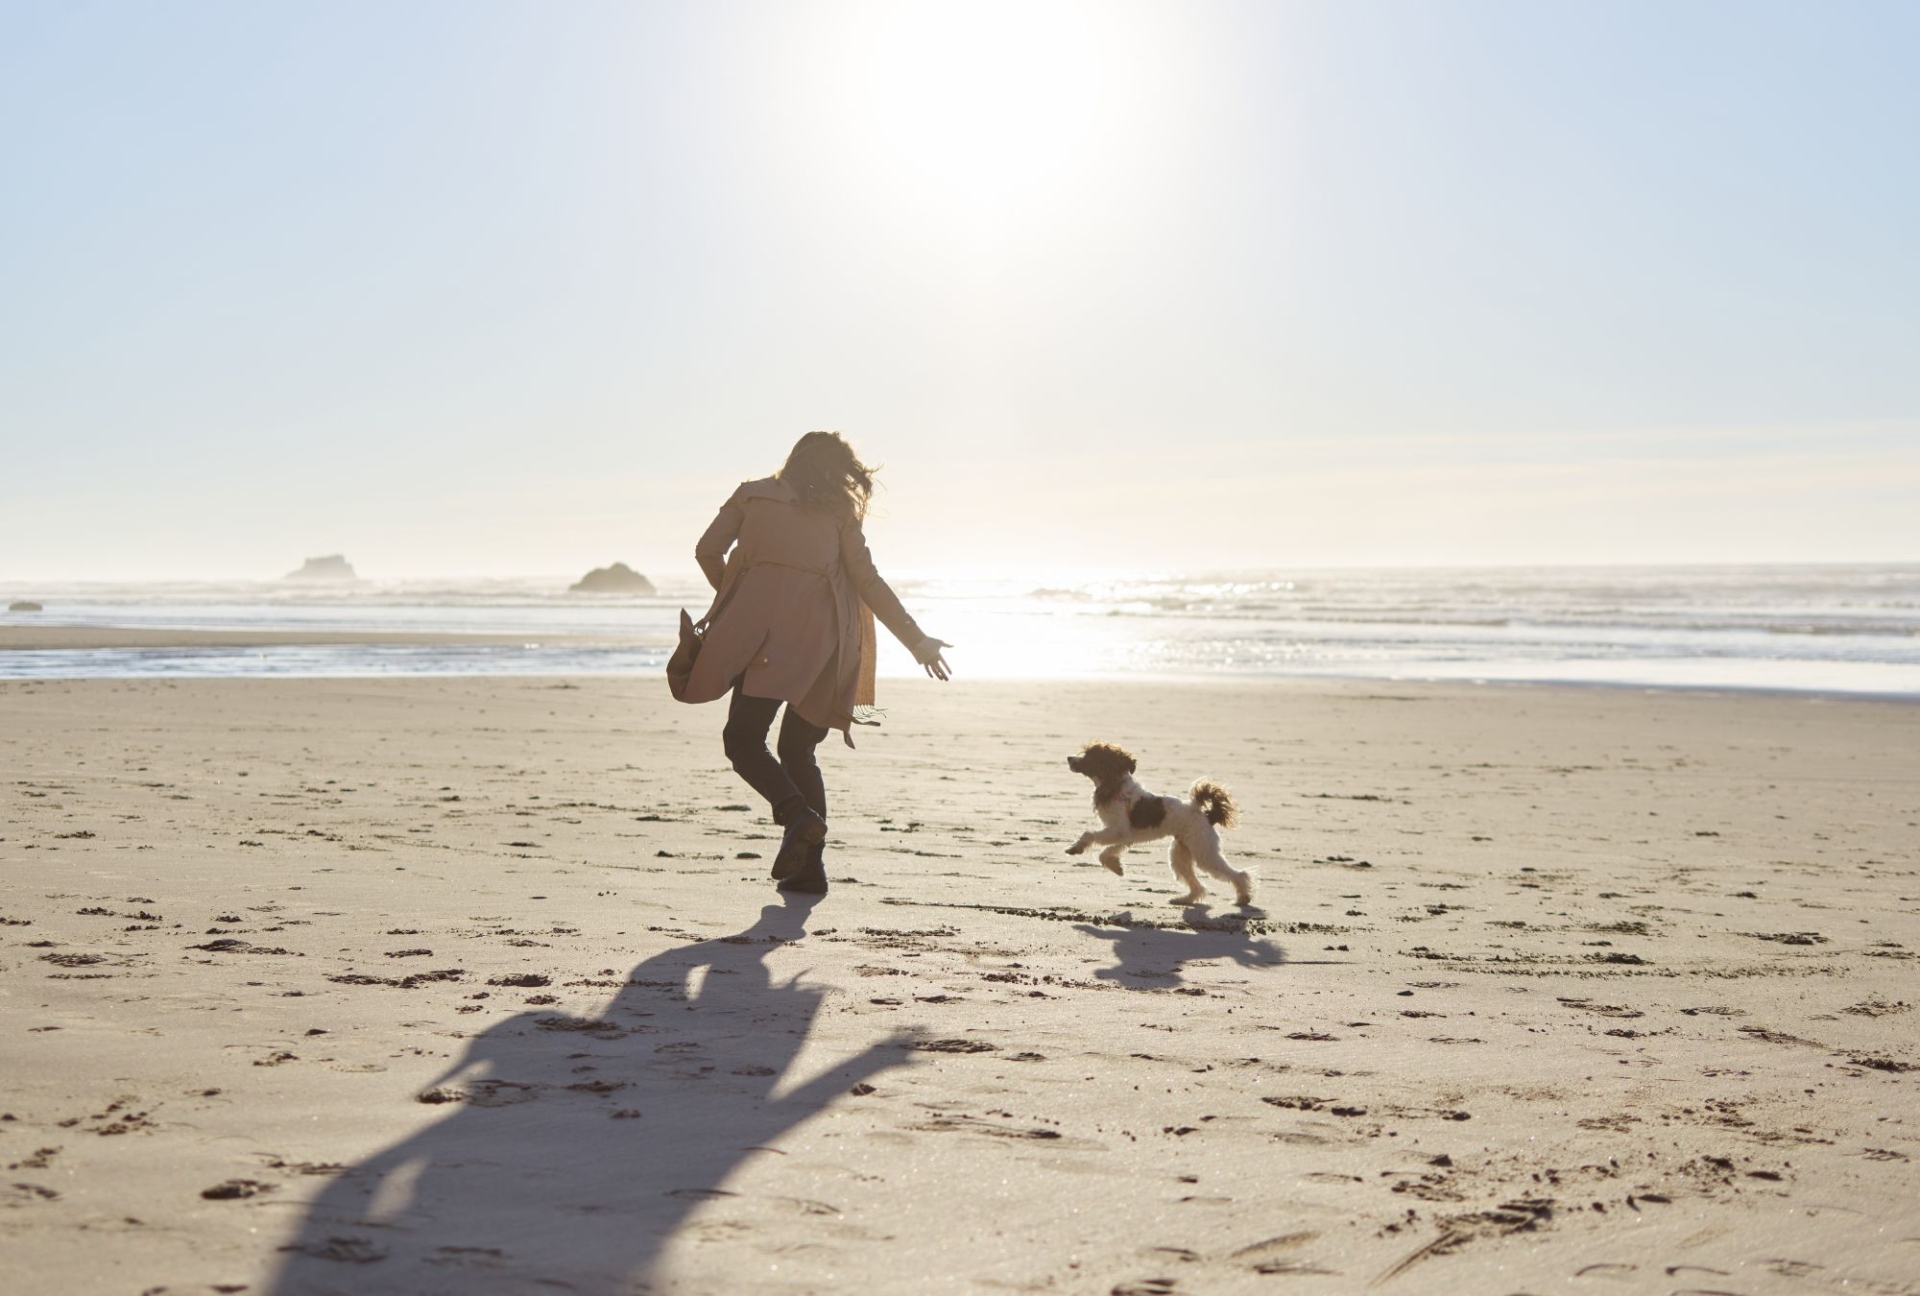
927, 653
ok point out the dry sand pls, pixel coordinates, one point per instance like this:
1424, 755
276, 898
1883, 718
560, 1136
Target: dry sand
478, 986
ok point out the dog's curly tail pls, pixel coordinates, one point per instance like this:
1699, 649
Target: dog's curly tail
1215, 802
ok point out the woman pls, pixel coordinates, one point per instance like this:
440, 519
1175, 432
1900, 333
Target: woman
792, 621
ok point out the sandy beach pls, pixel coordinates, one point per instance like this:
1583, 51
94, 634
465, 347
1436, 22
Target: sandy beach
477, 986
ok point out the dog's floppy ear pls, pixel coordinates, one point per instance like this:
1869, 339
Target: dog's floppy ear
1106, 762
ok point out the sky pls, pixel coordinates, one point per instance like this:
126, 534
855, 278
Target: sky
472, 288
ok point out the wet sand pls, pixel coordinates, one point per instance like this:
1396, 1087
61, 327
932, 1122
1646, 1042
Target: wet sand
479, 986
44, 638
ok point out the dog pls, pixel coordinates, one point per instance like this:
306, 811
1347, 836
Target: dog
1132, 814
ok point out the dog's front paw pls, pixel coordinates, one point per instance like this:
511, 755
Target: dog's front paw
1112, 862
1079, 847
1186, 900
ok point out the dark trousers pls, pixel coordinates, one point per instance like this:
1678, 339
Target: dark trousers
788, 781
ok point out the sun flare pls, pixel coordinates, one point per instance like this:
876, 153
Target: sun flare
989, 101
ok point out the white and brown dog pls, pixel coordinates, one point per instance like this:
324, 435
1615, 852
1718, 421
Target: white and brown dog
1132, 814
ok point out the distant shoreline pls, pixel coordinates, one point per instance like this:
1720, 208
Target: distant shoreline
622, 664
55, 638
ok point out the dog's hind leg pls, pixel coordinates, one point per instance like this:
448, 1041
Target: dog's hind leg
1214, 863
1182, 861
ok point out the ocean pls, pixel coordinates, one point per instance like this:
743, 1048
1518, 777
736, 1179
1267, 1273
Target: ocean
1822, 629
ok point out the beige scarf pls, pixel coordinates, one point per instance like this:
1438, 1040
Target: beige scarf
863, 693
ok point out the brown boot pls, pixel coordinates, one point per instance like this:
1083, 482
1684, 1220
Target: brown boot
805, 831
812, 878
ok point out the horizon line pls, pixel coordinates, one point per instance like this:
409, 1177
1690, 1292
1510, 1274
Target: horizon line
999, 571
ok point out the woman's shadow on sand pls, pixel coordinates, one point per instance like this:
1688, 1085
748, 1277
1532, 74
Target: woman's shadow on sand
1152, 958
579, 1146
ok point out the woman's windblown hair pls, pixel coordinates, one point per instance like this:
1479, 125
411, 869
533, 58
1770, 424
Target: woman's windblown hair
826, 474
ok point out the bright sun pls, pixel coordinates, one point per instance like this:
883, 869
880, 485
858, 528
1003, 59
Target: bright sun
989, 101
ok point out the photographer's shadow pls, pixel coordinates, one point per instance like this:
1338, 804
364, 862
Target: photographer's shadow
1152, 958
573, 1149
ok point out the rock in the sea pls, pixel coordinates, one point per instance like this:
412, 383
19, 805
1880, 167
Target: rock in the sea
331, 568
24, 605
617, 579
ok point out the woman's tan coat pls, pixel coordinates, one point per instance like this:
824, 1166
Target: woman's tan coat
792, 616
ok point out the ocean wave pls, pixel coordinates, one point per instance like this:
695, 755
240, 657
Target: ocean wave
1104, 624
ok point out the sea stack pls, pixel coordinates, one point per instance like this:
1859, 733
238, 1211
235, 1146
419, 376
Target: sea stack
617, 579
333, 567
24, 605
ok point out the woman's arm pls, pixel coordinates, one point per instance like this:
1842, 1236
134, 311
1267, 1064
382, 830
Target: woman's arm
874, 591
885, 604
711, 551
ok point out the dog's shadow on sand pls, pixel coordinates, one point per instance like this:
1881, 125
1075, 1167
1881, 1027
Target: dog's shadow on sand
573, 1150
1152, 958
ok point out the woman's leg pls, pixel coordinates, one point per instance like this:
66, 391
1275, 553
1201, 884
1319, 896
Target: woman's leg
798, 739
745, 739
748, 719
